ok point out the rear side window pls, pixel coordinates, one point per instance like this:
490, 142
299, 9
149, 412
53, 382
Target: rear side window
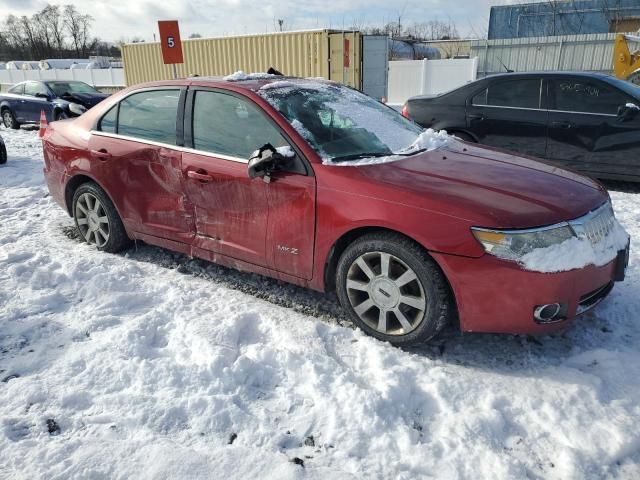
18, 89
523, 93
586, 96
232, 126
149, 115
32, 88
108, 122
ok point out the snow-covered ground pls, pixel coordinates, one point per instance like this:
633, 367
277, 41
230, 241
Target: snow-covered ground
152, 365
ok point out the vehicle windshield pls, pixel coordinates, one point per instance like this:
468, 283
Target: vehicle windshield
341, 123
62, 88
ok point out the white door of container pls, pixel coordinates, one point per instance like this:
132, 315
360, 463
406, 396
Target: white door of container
375, 65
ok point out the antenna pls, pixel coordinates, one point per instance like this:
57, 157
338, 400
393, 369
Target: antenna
508, 70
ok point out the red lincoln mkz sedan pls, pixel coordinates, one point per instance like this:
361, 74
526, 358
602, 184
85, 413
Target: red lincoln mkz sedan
316, 184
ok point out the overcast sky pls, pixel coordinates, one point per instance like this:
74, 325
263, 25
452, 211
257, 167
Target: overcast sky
125, 19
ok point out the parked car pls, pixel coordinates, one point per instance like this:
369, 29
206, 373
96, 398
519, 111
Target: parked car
266, 175
59, 99
3, 152
589, 122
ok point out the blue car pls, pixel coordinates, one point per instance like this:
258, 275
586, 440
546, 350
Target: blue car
59, 99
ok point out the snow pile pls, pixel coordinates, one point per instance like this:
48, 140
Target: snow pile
632, 105
577, 252
150, 365
240, 75
286, 151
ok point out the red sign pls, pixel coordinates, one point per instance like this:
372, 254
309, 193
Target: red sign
170, 42
346, 60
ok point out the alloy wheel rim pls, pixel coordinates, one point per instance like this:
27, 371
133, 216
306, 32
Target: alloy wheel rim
92, 220
386, 293
8, 120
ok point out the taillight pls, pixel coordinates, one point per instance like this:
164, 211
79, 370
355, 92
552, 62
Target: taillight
405, 111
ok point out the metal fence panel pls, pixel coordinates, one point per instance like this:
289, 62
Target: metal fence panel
589, 52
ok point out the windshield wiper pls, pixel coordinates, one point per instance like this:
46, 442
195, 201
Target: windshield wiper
357, 156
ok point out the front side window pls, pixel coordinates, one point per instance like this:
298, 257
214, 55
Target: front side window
586, 96
17, 89
522, 93
33, 88
149, 115
228, 125
341, 123
108, 121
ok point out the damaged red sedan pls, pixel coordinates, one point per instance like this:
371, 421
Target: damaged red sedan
316, 184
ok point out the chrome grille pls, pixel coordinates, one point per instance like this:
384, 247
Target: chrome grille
595, 225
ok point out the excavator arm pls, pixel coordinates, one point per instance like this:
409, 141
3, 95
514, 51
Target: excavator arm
626, 63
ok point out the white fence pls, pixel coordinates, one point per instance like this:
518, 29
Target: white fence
108, 77
418, 77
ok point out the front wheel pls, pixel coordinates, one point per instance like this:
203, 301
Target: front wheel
60, 115
97, 220
9, 119
393, 290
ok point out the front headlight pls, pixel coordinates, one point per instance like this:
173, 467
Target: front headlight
77, 108
514, 244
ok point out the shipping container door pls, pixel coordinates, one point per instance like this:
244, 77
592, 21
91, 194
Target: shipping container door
375, 65
344, 58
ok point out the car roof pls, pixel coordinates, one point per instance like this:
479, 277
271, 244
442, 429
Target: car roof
547, 73
253, 82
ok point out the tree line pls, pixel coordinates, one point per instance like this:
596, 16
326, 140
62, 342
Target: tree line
53, 32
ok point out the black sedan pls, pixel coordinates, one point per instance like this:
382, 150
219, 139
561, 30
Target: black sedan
586, 121
59, 99
3, 152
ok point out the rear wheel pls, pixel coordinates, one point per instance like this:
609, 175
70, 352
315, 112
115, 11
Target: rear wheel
393, 290
97, 220
9, 119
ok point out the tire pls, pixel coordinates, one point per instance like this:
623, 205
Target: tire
60, 115
98, 224
3, 154
465, 137
9, 119
373, 299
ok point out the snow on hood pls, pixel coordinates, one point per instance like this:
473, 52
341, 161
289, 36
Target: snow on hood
577, 252
240, 75
427, 141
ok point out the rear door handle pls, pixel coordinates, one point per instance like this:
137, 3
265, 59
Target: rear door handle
564, 125
101, 154
476, 116
201, 176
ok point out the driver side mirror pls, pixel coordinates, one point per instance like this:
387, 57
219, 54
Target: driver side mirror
263, 162
628, 111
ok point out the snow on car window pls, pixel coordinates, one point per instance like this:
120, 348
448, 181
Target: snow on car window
345, 126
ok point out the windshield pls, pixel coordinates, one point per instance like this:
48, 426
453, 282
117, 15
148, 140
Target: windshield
62, 88
341, 123
627, 87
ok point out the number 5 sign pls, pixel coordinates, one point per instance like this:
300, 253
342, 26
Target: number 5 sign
170, 42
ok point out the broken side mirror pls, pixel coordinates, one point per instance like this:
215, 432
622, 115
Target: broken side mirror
628, 112
263, 162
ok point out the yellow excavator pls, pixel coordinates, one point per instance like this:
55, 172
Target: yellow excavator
626, 62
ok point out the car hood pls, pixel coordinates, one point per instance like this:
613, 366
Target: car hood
87, 99
489, 187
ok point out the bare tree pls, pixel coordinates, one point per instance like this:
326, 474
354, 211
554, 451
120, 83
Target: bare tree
78, 27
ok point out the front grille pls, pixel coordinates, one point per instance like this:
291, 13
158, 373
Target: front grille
591, 299
595, 225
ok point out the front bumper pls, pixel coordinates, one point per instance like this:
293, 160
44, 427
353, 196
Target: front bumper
498, 296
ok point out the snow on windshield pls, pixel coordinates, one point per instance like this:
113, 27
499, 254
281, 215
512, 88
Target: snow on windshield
347, 127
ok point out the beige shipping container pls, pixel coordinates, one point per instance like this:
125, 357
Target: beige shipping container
312, 53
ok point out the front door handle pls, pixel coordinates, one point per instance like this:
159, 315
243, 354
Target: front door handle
564, 125
101, 154
476, 116
200, 175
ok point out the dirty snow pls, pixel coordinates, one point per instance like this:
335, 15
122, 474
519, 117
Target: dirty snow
150, 365
240, 75
577, 252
